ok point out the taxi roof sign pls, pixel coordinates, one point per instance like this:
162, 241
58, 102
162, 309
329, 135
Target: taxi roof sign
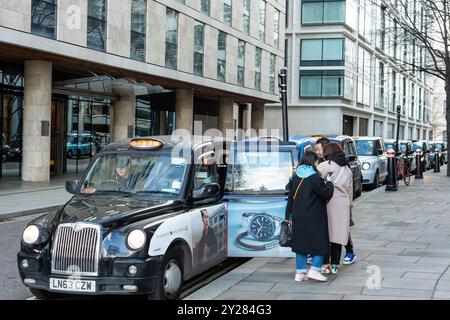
269, 139
146, 144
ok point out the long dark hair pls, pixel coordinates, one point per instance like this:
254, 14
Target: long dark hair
332, 150
309, 159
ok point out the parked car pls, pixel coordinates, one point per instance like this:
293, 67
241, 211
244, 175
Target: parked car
426, 159
349, 147
134, 225
81, 145
372, 155
5, 149
442, 147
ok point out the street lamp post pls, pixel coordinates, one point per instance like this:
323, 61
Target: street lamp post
399, 109
282, 77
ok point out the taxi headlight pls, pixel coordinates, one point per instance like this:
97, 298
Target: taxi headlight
366, 166
136, 239
31, 234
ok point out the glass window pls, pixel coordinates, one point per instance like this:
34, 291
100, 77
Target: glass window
333, 49
136, 174
43, 18
322, 52
365, 148
323, 12
221, 57
138, 29
272, 73
258, 57
262, 20
247, 168
206, 7
312, 12
96, 29
199, 29
276, 29
171, 39
227, 12
334, 12
11, 119
246, 17
321, 83
311, 50
241, 63
311, 86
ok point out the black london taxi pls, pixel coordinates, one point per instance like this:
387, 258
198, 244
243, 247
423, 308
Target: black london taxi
147, 215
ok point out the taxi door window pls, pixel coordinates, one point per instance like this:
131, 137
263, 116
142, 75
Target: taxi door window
205, 174
346, 149
351, 148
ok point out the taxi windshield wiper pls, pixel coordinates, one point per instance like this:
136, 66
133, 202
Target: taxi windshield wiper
127, 193
155, 192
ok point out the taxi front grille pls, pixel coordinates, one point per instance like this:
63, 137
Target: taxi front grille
76, 249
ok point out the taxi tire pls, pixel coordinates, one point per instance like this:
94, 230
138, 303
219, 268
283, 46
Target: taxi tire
42, 294
173, 254
376, 181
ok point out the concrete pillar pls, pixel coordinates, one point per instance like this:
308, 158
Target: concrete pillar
184, 109
37, 121
124, 115
257, 122
226, 115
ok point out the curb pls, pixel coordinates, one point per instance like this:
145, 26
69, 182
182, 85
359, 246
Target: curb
18, 214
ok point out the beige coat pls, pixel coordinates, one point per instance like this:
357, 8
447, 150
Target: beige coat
338, 208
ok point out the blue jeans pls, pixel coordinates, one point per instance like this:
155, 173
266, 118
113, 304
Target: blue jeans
301, 263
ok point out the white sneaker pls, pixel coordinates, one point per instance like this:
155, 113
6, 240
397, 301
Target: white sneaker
316, 275
299, 277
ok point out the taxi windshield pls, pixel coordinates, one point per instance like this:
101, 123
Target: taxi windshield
365, 147
404, 147
259, 171
135, 173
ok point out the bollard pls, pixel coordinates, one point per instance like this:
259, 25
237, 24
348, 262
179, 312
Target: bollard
391, 180
437, 162
419, 172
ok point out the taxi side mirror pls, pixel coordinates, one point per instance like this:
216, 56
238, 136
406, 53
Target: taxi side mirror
72, 186
352, 158
206, 191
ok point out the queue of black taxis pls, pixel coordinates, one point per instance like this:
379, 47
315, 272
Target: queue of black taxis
147, 215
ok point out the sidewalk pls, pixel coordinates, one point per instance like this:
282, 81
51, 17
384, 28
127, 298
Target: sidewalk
405, 233
19, 198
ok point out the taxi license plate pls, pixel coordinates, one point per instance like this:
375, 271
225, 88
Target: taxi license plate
72, 285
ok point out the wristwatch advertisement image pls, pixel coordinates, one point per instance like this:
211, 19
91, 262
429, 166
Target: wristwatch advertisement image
254, 228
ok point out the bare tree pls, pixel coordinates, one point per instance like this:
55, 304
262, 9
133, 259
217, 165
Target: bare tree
423, 25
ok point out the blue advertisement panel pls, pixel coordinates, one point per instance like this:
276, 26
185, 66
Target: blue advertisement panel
254, 226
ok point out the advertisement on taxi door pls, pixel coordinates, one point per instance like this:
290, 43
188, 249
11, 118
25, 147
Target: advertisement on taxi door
254, 227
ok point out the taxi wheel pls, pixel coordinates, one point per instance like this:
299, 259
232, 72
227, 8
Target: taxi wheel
376, 181
42, 294
170, 280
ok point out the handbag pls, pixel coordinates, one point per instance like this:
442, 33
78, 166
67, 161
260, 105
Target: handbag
286, 227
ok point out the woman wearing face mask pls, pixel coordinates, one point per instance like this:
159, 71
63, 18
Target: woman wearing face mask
307, 209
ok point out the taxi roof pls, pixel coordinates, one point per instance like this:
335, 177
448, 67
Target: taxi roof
169, 142
367, 138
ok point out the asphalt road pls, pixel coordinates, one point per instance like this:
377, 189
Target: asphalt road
11, 287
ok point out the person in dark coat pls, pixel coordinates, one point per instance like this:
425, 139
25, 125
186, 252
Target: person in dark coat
307, 209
